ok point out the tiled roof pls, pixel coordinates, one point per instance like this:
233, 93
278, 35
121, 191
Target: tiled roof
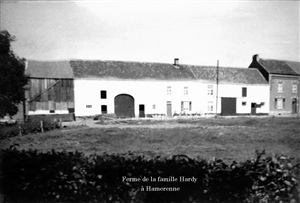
294, 65
228, 75
160, 71
277, 67
49, 69
128, 70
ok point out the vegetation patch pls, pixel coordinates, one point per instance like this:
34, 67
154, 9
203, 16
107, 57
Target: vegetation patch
30, 176
34, 126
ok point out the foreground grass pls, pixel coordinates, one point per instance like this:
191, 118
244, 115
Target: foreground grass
229, 139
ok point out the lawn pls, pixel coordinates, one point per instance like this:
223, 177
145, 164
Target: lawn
226, 138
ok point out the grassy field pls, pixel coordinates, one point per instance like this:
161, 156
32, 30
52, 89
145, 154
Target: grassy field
226, 138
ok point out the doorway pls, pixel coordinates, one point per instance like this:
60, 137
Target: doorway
142, 111
294, 105
228, 106
124, 105
169, 109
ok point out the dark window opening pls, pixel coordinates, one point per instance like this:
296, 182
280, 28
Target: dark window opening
244, 92
244, 103
52, 111
103, 94
88, 106
103, 109
71, 110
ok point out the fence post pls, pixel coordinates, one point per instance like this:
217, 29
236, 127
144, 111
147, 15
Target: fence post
42, 128
60, 123
20, 130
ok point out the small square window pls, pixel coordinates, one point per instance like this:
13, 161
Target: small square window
103, 94
71, 110
244, 103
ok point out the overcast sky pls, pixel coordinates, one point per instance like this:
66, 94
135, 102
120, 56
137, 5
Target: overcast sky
196, 32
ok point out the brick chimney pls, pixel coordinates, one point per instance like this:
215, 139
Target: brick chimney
255, 57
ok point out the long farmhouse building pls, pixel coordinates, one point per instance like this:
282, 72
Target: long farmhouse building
138, 89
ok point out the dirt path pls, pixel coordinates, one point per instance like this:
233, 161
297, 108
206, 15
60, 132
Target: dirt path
93, 124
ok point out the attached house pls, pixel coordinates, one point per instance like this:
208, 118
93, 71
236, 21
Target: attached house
137, 89
283, 78
50, 88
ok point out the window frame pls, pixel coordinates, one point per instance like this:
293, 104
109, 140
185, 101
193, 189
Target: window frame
210, 90
103, 94
185, 90
169, 90
103, 106
280, 86
244, 91
294, 87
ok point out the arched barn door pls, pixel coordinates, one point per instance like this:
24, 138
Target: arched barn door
124, 105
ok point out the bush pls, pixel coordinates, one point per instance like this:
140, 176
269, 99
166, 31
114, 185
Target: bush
29, 176
26, 128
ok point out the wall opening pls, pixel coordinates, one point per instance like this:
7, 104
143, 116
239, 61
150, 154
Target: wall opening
124, 105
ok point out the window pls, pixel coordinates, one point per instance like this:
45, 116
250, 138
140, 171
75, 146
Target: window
88, 106
294, 87
244, 92
153, 106
244, 103
52, 111
169, 90
103, 109
279, 103
280, 86
186, 106
210, 90
103, 94
185, 91
210, 107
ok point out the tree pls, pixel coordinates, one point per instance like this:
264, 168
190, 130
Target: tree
12, 77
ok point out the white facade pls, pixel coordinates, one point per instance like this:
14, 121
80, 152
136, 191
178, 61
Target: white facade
190, 97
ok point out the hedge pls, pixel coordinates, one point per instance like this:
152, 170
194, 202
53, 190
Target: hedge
30, 176
27, 128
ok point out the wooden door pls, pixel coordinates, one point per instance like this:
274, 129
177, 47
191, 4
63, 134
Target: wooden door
253, 108
294, 105
142, 111
228, 106
124, 105
169, 109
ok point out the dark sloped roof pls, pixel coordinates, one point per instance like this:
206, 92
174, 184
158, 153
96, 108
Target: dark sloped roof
294, 65
49, 69
161, 71
128, 70
277, 67
228, 75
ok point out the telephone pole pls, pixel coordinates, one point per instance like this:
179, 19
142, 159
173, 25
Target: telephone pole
217, 91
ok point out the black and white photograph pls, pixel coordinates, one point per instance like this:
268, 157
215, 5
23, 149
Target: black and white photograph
149, 101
